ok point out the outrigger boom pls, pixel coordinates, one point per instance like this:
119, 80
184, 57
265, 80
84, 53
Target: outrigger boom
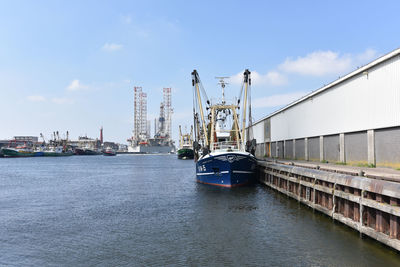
205, 126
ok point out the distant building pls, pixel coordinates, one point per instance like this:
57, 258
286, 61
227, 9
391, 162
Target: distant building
28, 139
4, 143
85, 142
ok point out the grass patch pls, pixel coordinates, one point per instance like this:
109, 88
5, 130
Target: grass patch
324, 161
366, 165
341, 163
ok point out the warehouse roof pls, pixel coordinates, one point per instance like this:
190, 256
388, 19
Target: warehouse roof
338, 81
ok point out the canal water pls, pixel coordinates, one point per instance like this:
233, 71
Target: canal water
141, 210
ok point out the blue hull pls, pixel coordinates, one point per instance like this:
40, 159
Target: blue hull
227, 170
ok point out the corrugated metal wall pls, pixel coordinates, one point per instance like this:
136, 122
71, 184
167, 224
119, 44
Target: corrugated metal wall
356, 147
387, 147
273, 150
331, 148
288, 149
300, 149
279, 153
313, 149
367, 101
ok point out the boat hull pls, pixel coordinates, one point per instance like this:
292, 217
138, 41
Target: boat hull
227, 169
57, 154
79, 151
16, 154
90, 152
185, 153
106, 153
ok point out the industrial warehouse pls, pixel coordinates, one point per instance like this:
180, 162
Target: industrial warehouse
354, 120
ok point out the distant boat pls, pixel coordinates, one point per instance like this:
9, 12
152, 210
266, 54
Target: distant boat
185, 153
185, 150
92, 152
20, 151
86, 151
109, 152
57, 151
220, 145
79, 151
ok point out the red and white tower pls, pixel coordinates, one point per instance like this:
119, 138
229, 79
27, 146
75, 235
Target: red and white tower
101, 135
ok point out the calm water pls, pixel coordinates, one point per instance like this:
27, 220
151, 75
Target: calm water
148, 211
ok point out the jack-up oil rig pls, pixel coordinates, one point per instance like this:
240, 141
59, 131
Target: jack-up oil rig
140, 142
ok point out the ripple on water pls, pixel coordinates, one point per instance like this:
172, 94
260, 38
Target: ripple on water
148, 211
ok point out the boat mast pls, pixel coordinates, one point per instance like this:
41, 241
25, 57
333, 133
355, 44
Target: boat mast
236, 125
212, 128
223, 84
246, 83
191, 136
195, 82
180, 137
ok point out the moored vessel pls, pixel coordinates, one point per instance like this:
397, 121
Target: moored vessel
91, 152
109, 152
185, 150
19, 151
79, 151
56, 151
185, 153
86, 151
220, 146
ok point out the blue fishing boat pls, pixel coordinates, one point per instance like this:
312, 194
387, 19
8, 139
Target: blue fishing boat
223, 157
226, 169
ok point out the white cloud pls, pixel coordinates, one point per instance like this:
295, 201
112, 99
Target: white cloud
276, 100
110, 47
75, 85
320, 63
317, 63
36, 98
270, 78
62, 100
368, 55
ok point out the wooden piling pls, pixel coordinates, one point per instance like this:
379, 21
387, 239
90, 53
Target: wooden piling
367, 205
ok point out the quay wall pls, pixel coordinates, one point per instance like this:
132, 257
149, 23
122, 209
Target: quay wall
369, 206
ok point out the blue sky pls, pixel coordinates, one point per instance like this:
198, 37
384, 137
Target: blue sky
72, 65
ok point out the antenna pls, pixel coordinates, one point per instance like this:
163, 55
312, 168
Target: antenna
222, 83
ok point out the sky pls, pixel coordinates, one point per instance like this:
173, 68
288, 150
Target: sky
72, 65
